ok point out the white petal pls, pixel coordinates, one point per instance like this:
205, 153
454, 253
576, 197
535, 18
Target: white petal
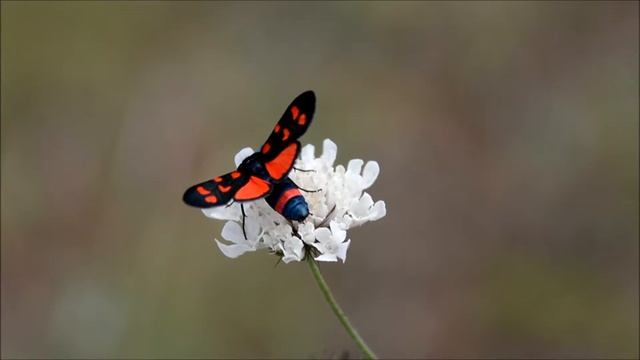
355, 166
293, 248
344, 221
318, 207
370, 173
323, 235
362, 208
320, 247
307, 154
289, 258
301, 253
338, 233
233, 250
342, 250
252, 227
329, 151
327, 257
282, 231
379, 210
270, 241
232, 231
222, 212
242, 154
306, 231
366, 200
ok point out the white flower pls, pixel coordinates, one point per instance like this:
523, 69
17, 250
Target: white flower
331, 243
306, 232
365, 210
232, 231
223, 213
292, 249
340, 204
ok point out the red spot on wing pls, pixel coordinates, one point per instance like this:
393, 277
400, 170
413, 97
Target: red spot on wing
217, 179
285, 134
294, 112
281, 164
254, 189
276, 129
202, 191
235, 175
265, 148
224, 188
212, 199
302, 119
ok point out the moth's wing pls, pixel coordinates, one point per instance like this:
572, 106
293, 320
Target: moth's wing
280, 165
282, 143
215, 192
253, 189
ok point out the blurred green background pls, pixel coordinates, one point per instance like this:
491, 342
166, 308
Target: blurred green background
507, 135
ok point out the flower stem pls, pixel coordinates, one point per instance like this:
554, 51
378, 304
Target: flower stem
366, 351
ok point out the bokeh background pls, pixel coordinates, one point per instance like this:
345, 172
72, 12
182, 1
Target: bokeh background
507, 135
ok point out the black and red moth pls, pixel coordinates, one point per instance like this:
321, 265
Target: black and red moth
265, 173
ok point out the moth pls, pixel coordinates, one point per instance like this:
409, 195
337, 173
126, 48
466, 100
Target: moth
264, 174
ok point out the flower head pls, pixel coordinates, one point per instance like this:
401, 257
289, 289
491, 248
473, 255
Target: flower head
340, 204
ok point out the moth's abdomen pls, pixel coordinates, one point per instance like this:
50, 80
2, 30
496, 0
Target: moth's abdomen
287, 200
295, 209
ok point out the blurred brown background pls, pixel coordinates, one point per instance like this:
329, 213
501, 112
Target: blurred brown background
507, 135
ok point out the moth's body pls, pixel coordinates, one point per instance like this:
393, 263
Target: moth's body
255, 166
264, 174
285, 198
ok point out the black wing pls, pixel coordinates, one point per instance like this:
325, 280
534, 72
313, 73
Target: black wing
281, 148
215, 192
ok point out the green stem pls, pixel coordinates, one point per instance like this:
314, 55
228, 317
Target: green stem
366, 351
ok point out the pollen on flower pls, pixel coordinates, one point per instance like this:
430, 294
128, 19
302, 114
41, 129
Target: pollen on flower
342, 204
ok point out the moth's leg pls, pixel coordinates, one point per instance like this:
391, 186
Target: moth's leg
301, 170
327, 217
243, 216
305, 190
